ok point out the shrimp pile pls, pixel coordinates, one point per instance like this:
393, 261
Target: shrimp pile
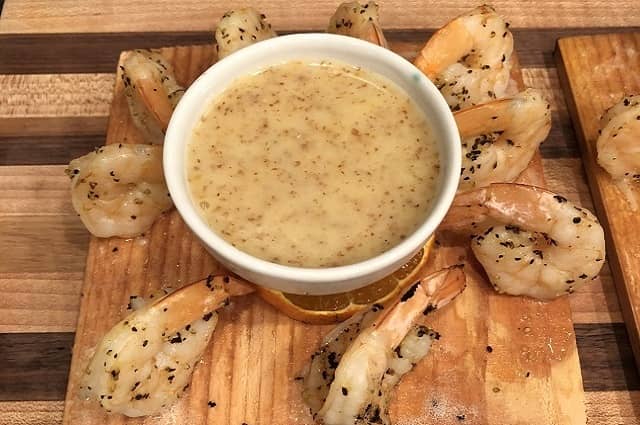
529, 241
499, 138
618, 147
469, 59
359, 21
241, 28
145, 362
152, 92
119, 190
352, 375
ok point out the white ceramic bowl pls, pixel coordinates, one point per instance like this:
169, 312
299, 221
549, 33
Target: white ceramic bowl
311, 47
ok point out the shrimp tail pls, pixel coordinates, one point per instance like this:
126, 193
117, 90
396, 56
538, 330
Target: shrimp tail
360, 21
240, 28
439, 52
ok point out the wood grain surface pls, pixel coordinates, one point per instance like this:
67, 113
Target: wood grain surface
532, 373
48, 119
597, 71
90, 16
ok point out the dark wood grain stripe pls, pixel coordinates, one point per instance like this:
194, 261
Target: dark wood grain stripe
35, 366
60, 149
46, 150
606, 358
98, 52
73, 137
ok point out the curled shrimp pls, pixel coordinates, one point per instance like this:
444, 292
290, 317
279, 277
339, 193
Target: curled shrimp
360, 21
352, 375
119, 189
499, 138
618, 149
240, 28
145, 362
152, 92
469, 59
529, 241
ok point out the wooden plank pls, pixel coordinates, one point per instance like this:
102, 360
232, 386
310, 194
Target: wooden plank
603, 408
606, 355
98, 52
37, 292
595, 74
40, 16
39, 150
257, 349
613, 407
31, 412
604, 350
39, 232
33, 366
58, 131
39, 302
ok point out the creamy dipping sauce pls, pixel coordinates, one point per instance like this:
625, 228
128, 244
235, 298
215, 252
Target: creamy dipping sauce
313, 164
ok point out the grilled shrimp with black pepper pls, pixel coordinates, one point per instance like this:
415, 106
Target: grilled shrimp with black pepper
241, 28
145, 362
152, 92
619, 148
469, 59
529, 241
360, 21
499, 138
119, 189
352, 375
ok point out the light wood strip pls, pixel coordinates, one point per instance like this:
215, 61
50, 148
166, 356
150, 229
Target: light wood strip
56, 95
41, 16
31, 412
603, 408
613, 407
53, 105
596, 72
39, 302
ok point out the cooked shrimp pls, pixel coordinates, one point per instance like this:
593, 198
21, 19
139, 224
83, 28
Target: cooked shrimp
119, 190
499, 138
618, 147
240, 28
359, 21
144, 363
469, 59
529, 241
350, 378
152, 92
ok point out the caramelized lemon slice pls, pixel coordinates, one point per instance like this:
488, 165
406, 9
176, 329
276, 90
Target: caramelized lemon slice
325, 309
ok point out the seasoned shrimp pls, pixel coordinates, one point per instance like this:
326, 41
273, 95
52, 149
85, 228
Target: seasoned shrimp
351, 377
359, 21
499, 138
144, 363
152, 92
119, 190
469, 59
618, 147
241, 28
529, 241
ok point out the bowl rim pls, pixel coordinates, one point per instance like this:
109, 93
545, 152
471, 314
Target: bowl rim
178, 136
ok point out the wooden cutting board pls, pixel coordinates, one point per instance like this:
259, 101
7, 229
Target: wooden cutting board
529, 375
595, 73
